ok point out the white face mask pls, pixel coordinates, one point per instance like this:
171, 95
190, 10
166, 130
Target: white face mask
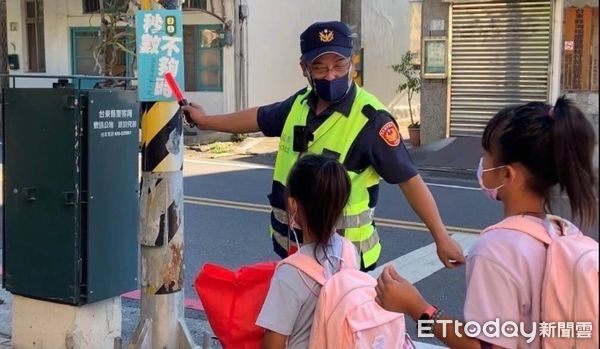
491, 193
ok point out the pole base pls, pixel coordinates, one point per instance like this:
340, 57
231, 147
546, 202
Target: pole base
41, 324
142, 337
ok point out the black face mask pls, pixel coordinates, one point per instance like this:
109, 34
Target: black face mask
332, 90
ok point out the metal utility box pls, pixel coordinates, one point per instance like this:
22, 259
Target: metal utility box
70, 193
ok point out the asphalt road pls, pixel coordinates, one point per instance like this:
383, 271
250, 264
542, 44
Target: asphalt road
226, 222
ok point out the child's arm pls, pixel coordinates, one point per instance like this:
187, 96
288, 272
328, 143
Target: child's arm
273, 340
280, 309
398, 295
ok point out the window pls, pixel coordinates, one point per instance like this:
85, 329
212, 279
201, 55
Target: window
84, 43
34, 20
93, 6
203, 56
580, 50
194, 5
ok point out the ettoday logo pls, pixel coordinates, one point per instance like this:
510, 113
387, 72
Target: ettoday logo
508, 329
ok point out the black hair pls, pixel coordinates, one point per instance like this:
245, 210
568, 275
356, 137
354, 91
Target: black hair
321, 187
555, 144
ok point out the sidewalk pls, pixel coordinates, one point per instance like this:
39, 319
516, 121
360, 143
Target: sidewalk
195, 320
130, 310
457, 156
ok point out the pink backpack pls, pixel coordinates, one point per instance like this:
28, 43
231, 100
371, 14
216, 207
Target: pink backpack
570, 285
346, 315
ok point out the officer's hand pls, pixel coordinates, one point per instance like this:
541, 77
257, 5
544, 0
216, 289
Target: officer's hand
450, 253
197, 114
394, 293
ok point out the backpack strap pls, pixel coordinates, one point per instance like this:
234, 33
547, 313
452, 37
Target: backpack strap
349, 255
315, 270
308, 265
566, 227
524, 225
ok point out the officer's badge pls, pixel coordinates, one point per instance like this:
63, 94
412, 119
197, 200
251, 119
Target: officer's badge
326, 35
390, 135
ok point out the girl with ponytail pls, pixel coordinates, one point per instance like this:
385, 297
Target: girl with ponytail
527, 151
317, 191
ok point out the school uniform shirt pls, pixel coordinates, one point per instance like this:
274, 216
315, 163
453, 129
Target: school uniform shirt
505, 270
292, 298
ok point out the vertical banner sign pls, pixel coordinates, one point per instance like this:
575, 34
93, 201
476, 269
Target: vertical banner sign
159, 35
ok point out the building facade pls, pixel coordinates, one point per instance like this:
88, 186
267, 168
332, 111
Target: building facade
478, 56
59, 37
258, 65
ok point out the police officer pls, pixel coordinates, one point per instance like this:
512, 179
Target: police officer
337, 118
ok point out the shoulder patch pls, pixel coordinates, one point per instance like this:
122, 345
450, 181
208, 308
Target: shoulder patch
390, 134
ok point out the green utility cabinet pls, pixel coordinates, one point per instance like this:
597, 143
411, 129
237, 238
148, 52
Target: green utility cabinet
70, 193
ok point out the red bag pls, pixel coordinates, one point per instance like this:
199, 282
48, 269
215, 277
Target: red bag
233, 300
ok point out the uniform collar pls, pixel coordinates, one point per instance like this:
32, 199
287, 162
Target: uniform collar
344, 106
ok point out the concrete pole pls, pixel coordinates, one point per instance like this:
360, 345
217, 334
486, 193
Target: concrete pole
162, 322
351, 15
415, 30
3, 54
240, 25
3, 45
557, 51
237, 56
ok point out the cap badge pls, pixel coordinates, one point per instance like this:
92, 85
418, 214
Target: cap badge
326, 35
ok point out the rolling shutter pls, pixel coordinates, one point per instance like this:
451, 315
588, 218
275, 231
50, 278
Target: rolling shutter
500, 55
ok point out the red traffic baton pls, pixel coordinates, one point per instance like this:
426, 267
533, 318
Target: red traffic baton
180, 98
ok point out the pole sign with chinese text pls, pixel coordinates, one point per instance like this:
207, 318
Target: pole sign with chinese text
159, 35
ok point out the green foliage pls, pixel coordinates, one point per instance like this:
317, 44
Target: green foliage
411, 81
117, 35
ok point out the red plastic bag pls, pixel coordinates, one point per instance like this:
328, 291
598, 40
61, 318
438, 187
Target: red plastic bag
232, 301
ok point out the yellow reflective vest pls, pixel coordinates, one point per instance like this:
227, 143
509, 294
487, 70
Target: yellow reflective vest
335, 136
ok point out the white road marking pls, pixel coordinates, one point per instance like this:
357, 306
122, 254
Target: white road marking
423, 262
420, 345
452, 186
382, 222
238, 164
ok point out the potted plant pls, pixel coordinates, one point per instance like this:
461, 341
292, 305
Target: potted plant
411, 84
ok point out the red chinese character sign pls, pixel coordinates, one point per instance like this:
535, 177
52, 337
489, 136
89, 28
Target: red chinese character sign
159, 35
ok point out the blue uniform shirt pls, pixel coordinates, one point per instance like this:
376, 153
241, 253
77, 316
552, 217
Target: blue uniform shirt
392, 162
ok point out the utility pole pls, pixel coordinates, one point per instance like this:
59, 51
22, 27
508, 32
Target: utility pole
3, 55
162, 321
241, 54
351, 15
3, 46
